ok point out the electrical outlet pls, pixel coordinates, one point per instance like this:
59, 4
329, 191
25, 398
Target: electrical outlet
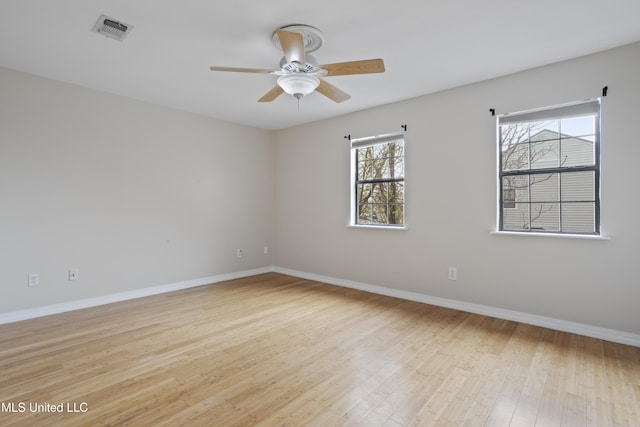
239, 253
74, 274
266, 250
453, 273
33, 279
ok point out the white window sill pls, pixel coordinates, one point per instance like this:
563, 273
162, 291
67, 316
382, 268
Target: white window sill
565, 236
378, 227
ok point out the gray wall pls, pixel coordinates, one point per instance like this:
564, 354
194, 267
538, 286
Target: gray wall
131, 194
450, 166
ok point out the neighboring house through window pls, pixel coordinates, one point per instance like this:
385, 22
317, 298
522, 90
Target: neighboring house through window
549, 170
508, 197
377, 194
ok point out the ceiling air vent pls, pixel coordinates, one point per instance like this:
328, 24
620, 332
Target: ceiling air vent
111, 28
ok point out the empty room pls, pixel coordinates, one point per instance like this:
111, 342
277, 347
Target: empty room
333, 214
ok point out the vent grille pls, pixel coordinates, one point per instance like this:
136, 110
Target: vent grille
112, 28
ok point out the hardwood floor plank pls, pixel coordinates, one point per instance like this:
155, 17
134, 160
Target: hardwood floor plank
275, 350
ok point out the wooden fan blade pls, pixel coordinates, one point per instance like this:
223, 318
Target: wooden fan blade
272, 94
242, 70
366, 66
292, 46
332, 92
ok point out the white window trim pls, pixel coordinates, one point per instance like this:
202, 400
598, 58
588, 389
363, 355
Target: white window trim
552, 235
379, 227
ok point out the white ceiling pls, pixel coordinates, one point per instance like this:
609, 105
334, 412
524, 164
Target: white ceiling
427, 46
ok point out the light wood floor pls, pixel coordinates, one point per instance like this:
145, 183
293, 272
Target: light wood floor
275, 350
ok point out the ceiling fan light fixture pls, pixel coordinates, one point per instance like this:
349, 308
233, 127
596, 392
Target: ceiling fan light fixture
298, 84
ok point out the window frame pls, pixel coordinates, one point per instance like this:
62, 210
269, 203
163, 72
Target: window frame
590, 107
355, 145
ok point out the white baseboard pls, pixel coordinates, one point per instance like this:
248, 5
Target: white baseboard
31, 313
500, 313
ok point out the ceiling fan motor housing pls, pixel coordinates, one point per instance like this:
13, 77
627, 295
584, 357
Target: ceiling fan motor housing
311, 63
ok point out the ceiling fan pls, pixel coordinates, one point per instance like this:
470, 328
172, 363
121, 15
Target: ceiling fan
299, 72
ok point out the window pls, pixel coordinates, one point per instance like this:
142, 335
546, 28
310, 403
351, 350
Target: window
508, 197
378, 181
549, 170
